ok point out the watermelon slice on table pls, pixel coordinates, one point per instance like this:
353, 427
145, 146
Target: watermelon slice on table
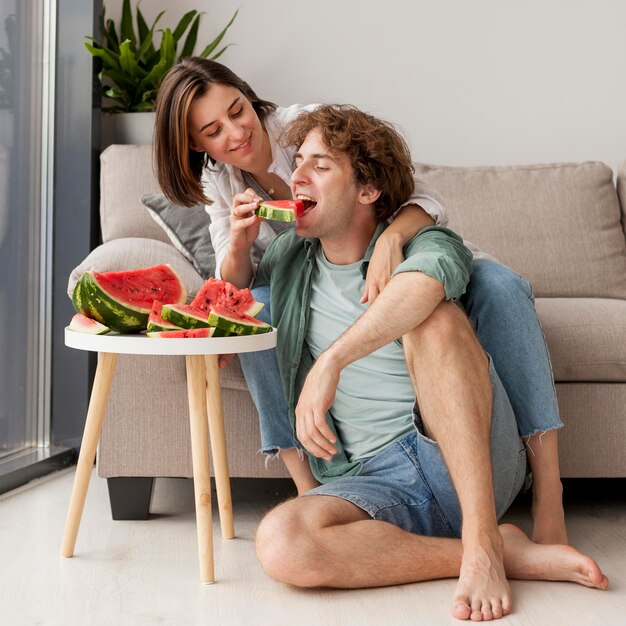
185, 316
281, 210
222, 293
156, 322
236, 323
82, 324
123, 300
201, 333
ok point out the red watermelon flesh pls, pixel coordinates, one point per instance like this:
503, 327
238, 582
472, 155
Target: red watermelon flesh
222, 293
202, 333
156, 322
137, 289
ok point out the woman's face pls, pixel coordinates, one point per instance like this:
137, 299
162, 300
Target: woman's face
223, 124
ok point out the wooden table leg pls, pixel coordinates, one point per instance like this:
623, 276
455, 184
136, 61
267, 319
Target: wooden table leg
196, 381
218, 445
91, 436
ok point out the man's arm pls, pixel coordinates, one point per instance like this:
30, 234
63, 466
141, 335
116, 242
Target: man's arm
437, 268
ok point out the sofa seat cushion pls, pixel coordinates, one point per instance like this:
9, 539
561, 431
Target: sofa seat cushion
586, 338
557, 225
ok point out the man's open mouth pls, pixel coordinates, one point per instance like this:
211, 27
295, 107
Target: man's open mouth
308, 202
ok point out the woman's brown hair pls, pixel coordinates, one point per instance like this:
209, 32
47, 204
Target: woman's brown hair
178, 167
379, 155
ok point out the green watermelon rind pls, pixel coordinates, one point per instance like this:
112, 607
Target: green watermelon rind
183, 319
237, 326
97, 305
274, 214
156, 328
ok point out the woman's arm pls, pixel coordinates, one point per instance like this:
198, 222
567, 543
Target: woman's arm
388, 249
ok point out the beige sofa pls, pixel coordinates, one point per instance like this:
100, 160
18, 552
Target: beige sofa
561, 226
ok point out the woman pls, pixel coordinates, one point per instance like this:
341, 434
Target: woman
216, 142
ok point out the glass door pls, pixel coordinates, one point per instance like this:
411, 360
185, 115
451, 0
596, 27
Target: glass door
25, 142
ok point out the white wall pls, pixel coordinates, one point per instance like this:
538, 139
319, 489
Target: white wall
470, 82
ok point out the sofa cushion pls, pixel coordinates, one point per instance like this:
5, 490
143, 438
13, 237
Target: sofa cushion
132, 253
586, 338
188, 230
557, 225
126, 174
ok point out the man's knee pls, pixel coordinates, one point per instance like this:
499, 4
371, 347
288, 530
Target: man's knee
445, 328
285, 546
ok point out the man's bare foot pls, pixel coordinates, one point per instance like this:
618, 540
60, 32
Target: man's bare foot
549, 521
482, 592
526, 560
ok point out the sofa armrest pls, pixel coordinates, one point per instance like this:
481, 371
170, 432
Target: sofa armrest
134, 252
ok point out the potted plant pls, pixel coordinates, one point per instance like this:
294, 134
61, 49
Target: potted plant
132, 67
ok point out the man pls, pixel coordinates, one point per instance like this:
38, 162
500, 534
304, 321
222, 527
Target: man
399, 486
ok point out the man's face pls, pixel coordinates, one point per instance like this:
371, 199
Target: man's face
327, 180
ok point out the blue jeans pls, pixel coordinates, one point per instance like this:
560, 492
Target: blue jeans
499, 303
260, 369
501, 306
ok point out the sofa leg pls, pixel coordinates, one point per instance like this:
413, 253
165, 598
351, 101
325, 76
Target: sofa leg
130, 497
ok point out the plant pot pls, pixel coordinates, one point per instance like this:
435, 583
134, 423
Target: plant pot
127, 128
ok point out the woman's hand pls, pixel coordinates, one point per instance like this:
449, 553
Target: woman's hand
244, 224
386, 257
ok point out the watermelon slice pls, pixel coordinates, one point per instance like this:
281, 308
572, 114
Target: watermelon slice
155, 322
123, 300
223, 293
236, 323
82, 324
202, 333
281, 210
185, 316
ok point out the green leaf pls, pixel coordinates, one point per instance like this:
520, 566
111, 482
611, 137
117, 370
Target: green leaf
182, 25
142, 27
217, 55
190, 42
126, 29
110, 34
109, 58
128, 62
205, 53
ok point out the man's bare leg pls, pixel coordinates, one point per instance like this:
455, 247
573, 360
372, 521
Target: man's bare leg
297, 465
547, 507
325, 541
450, 373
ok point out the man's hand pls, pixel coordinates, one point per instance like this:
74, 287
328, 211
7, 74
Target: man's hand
316, 398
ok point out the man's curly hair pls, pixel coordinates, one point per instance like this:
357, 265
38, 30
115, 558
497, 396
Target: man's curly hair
379, 155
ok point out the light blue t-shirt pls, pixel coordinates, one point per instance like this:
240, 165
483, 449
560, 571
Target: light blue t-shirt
375, 397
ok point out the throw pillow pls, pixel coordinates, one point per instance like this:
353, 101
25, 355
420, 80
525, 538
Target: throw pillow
187, 229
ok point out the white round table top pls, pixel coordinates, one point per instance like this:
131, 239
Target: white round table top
142, 344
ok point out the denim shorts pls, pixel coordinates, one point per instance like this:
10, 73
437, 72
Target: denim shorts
408, 484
